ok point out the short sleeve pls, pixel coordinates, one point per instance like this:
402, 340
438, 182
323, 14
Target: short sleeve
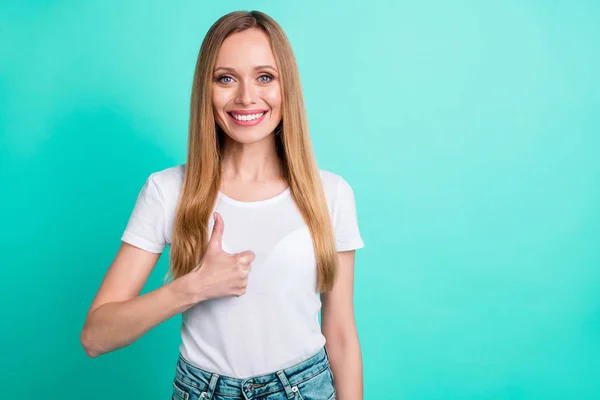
146, 226
345, 222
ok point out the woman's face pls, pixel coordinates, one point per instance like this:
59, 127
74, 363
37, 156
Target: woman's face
246, 95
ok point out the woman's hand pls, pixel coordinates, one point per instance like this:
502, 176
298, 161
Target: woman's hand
220, 274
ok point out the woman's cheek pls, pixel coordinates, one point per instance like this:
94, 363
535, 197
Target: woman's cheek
272, 96
218, 99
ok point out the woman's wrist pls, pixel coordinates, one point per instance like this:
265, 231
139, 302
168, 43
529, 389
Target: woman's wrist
181, 293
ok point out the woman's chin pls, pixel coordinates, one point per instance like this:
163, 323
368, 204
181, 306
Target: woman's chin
249, 137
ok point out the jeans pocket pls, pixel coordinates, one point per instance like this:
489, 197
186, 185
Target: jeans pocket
180, 392
318, 387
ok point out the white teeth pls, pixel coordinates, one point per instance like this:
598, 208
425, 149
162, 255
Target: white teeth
247, 117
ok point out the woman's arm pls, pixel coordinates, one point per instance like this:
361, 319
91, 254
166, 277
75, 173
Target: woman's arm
118, 316
339, 329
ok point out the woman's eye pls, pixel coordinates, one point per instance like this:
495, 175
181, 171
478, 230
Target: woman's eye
223, 79
265, 78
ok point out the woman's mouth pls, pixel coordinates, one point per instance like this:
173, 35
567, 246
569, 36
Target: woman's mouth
247, 118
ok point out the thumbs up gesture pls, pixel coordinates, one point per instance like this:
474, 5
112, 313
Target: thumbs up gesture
220, 274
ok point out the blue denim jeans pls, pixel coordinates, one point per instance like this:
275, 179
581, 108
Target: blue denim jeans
309, 380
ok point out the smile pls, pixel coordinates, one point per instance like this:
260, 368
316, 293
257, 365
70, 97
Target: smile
247, 119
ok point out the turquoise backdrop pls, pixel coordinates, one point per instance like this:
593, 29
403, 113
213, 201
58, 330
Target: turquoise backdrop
469, 130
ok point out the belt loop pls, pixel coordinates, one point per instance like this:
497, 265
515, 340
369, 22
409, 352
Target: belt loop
211, 386
286, 385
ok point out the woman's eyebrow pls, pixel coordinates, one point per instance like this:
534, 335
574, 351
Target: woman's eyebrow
265, 67
232, 70
227, 69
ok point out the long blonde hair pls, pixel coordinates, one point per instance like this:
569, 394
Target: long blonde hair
205, 151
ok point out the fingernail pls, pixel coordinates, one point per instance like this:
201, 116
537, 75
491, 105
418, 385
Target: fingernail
244, 259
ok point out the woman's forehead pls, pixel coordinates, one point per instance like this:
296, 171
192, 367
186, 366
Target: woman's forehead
246, 50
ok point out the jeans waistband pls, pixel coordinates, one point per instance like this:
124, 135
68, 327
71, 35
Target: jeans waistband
209, 383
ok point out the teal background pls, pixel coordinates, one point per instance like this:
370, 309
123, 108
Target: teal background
469, 131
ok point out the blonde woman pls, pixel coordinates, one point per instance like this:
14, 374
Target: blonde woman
261, 238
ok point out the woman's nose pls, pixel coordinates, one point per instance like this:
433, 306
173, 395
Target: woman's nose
246, 93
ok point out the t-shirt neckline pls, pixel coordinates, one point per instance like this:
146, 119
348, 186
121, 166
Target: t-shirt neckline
258, 203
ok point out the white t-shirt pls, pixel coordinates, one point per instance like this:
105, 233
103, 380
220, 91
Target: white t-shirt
275, 324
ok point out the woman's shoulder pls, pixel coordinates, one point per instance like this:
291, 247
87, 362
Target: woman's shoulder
329, 177
333, 184
174, 173
332, 179
169, 180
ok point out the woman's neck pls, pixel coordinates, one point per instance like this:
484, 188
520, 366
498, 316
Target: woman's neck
251, 162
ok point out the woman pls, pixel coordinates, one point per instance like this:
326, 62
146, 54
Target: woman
261, 239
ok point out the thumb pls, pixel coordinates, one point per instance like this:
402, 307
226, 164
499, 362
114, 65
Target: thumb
246, 257
217, 234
